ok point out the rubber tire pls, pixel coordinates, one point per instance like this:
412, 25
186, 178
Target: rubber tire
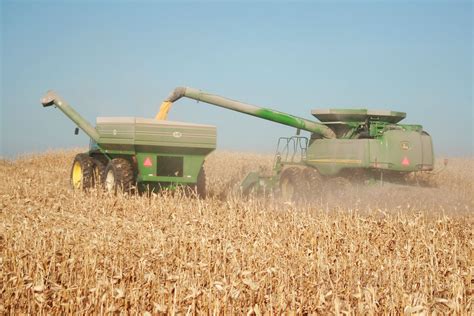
290, 184
339, 183
199, 188
313, 182
123, 176
98, 171
201, 184
86, 165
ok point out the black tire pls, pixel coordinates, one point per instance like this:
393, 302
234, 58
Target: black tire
201, 184
119, 176
338, 183
98, 171
313, 182
82, 172
199, 188
290, 184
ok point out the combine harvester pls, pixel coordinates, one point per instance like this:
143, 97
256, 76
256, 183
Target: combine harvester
347, 143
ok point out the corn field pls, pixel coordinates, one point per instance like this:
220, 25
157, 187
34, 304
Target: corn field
362, 250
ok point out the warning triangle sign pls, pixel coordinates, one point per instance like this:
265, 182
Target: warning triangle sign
405, 161
147, 162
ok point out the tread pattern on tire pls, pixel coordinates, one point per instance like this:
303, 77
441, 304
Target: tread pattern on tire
293, 176
98, 172
87, 168
123, 175
201, 184
313, 181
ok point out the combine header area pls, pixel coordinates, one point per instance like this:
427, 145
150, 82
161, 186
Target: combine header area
129, 152
346, 143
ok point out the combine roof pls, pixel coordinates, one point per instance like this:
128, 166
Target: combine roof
357, 115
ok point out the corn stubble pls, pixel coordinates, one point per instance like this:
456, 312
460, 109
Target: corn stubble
364, 250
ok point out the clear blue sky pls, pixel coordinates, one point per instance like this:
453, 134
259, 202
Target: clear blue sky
122, 59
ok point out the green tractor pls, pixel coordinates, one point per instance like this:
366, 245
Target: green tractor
345, 144
130, 153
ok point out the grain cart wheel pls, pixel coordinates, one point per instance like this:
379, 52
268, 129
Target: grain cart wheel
201, 184
118, 176
82, 172
98, 171
199, 188
290, 184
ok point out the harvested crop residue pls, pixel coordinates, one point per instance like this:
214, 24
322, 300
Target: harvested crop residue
364, 249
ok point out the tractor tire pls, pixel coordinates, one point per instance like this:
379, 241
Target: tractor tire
197, 189
82, 172
119, 176
291, 184
98, 172
339, 183
201, 184
313, 182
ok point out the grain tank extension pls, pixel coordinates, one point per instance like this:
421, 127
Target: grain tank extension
131, 152
343, 142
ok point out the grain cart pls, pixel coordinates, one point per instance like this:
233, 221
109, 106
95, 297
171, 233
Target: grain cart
132, 152
346, 143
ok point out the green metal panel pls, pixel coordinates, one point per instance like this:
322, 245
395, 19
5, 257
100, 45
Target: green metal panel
397, 150
427, 152
150, 132
330, 156
147, 172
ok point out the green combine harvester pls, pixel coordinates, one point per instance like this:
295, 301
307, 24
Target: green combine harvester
129, 153
345, 144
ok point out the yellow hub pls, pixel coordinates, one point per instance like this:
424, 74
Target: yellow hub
77, 175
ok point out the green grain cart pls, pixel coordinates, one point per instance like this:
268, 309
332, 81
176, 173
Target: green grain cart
127, 153
346, 143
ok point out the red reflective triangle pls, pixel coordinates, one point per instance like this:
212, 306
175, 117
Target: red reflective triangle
405, 161
147, 162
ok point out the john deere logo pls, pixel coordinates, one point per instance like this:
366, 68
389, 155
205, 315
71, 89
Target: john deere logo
405, 145
177, 134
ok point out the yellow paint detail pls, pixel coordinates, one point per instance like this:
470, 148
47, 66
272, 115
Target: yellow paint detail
348, 161
77, 175
164, 109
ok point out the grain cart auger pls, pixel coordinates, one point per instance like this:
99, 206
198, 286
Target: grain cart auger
126, 153
346, 143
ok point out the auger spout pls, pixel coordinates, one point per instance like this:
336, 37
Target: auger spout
264, 113
51, 98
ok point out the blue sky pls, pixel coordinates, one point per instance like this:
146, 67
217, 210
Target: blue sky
123, 58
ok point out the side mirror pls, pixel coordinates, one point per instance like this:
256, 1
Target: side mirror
76, 131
